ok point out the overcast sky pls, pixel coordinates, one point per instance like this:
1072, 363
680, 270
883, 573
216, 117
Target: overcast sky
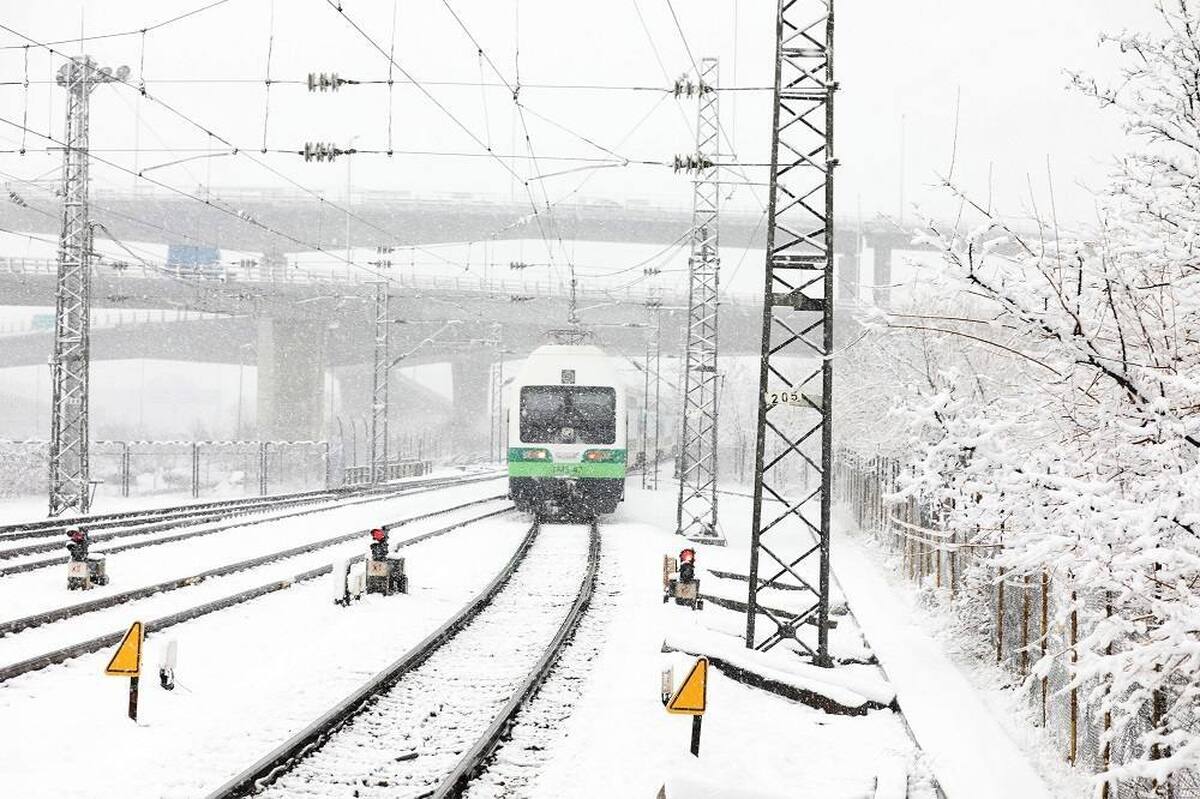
901, 66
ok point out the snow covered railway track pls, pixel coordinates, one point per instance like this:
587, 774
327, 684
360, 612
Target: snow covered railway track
424, 725
194, 519
44, 528
95, 644
516, 759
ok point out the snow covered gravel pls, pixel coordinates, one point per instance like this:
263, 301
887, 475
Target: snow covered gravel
413, 735
249, 677
37, 591
48, 637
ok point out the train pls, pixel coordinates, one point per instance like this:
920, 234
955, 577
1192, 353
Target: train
566, 422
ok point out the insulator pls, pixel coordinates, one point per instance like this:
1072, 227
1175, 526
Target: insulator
17, 199
519, 298
517, 265
325, 82
320, 151
651, 270
692, 162
684, 87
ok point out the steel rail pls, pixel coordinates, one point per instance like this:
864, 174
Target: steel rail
155, 625
398, 492
475, 759
71, 611
48, 527
51, 527
279, 760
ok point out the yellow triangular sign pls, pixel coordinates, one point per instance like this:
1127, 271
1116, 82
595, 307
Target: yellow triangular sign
127, 660
693, 694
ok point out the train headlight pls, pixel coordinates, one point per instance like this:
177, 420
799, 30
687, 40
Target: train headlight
531, 454
601, 455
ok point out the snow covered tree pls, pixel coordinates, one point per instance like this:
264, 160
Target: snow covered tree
1088, 452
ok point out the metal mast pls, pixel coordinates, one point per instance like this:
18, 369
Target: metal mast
69, 478
654, 295
379, 391
696, 513
790, 522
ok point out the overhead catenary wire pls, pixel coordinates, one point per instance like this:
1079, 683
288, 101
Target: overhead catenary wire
227, 211
441, 106
132, 32
225, 141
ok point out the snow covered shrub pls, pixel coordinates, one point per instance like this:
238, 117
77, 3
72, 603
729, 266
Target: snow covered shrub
1063, 408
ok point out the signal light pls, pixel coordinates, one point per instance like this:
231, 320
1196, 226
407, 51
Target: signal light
530, 454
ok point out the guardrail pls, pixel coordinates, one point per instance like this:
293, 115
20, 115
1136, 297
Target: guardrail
516, 290
361, 475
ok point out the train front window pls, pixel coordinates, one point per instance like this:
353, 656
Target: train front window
568, 414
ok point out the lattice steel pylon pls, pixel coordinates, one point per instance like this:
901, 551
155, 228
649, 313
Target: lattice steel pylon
70, 483
696, 511
790, 524
379, 388
653, 363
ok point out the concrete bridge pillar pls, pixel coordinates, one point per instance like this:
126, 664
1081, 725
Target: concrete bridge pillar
883, 276
847, 271
291, 379
471, 386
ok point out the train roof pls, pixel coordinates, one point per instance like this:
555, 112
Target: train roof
592, 365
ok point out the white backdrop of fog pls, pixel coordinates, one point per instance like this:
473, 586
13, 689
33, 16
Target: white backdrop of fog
901, 67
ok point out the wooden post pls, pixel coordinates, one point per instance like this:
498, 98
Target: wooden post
1107, 751
1045, 634
1025, 625
1074, 744
1000, 618
953, 562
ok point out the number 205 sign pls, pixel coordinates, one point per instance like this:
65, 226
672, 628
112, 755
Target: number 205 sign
793, 397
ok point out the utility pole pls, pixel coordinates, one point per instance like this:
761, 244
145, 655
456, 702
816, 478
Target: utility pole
379, 391
70, 484
498, 426
790, 523
696, 512
654, 296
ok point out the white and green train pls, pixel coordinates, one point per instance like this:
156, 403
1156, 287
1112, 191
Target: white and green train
566, 432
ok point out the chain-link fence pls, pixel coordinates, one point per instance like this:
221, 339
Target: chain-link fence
195, 468
1025, 618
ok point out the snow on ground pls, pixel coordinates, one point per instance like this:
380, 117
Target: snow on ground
964, 713
43, 589
49, 637
248, 677
33, 508
621, 742
251, 675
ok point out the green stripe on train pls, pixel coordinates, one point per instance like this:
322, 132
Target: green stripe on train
599, 470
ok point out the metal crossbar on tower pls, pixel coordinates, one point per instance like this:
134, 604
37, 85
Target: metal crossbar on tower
696, 511
69, 478
790, 519
379, 389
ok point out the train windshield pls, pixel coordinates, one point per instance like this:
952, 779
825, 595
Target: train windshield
568, 414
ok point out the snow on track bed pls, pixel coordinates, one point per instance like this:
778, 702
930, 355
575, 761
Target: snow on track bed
516, 763
45, 641
413, 735
249, 678
45, 589
31, 554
